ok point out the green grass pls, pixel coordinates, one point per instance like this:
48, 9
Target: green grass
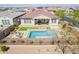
26, 28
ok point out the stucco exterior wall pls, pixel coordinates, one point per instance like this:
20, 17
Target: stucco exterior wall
26, 24
39, 17
55, 24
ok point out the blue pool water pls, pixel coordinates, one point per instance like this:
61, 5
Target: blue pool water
42, 34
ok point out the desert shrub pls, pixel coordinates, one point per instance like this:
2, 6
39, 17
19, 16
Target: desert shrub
16, 27
4, 48
13, 41
31, 42
52, 42
4, 41
40, 42
22, 41
64, 25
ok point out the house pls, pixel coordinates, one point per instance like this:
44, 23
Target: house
39, 17
54, 9
69, 12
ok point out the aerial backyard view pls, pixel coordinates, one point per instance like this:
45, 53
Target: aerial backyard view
39, 29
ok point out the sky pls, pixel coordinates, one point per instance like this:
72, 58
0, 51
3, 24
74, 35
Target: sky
38, 5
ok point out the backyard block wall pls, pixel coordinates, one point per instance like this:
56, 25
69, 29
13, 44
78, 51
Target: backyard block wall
6, 32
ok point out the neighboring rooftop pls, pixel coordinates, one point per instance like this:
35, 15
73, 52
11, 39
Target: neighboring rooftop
11, 14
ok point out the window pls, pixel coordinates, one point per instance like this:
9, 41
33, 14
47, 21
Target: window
27, 20
54, 21
6, 22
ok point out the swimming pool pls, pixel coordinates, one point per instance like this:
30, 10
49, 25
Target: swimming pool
42, 34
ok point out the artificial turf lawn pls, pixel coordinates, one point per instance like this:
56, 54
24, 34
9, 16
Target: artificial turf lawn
26, 28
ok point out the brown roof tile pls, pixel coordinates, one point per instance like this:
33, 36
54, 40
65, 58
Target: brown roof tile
37, 13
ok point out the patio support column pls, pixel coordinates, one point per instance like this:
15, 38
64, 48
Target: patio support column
33, 22
50, 21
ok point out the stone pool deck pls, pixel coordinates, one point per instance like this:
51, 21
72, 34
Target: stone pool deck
33, 49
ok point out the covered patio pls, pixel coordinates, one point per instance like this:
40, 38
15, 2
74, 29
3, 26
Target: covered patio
39, 17
41, 21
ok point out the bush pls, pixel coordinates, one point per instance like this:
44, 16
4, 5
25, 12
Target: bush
13, 41
4, 41
4, 48
31, 42
52, 42
22, 41
64, 25
16, 27
40, 42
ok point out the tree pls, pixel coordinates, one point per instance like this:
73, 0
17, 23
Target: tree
76, 14
60, 13
75, 18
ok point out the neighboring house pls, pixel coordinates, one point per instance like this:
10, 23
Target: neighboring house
39, 17
69, 12
8, 18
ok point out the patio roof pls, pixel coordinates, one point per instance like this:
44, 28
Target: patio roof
11, 14
38, 13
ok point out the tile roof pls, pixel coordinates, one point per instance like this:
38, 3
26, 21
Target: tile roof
36, 13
